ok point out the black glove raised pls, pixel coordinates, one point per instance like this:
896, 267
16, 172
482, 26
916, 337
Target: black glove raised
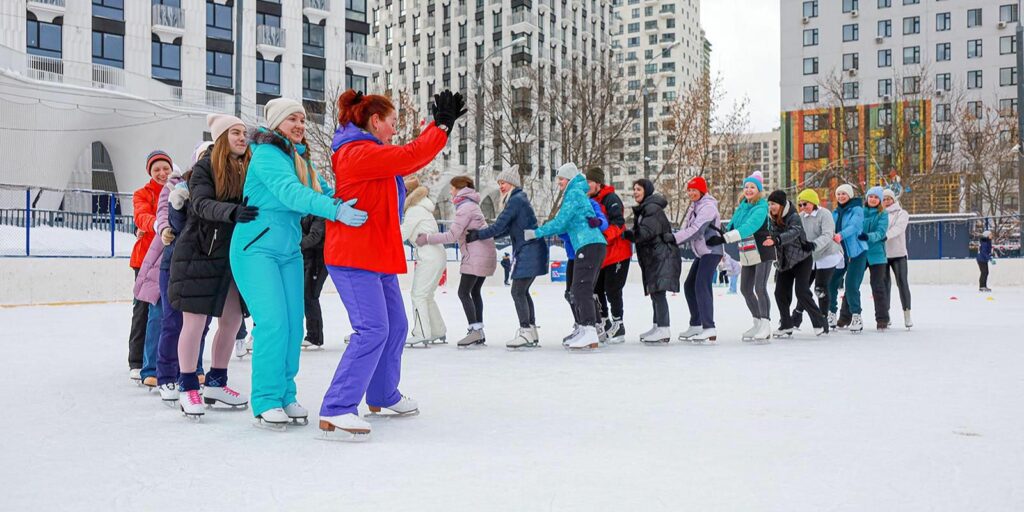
862, 236
629, 235
448, 108
472, 235
807, 246
244, 213
714, 241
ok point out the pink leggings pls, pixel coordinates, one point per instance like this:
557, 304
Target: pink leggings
192, 326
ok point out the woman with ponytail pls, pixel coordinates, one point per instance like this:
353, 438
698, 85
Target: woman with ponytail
364, 263
267, 258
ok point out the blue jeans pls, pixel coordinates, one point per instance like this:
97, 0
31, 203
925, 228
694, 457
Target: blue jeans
152, 338
733, 282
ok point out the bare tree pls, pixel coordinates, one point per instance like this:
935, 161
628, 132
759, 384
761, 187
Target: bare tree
984, 139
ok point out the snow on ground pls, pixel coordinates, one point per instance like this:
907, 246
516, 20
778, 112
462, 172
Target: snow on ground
52, 241
923, 420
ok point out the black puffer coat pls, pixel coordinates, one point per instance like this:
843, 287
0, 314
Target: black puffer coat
660, 263
200, 267
788, 238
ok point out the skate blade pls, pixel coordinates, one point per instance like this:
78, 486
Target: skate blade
170, 403
522, 348
329, 432
618, 340
419, 344
266, 425
655, 343
761, 341
381, 415
472, 346
593, 347
313, 348
706, 341
210, 402
302, 422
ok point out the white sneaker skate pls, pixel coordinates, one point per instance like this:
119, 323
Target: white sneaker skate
191, 404
660, 336
135, 374
575, 331
405, 407
856, 324
226, 396
346, 427
692, 331
647, 334
585, 339
705, 337
240, 350
310, 346
413, 342
907, 322
523, 339
748, 335
297, 413
169, 393
273, 419
764, 331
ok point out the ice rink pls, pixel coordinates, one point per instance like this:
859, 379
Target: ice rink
931, 419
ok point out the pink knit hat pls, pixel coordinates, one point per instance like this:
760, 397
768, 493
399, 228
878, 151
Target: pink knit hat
219, 123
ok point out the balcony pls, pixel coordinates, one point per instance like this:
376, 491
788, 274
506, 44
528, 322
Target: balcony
270, 41
46, 10
460, 62
521, 77
521, 21
168, 22
316, 10
108, 77
363, 59
460, 10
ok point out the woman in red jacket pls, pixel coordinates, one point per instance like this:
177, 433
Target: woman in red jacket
364, 262
142, 360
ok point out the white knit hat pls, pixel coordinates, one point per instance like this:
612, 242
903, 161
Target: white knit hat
845, 188
219, 123
278, 109
568, 171
511, 177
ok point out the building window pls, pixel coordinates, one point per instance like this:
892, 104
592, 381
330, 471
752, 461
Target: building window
974, 49
943, 22
811, 66
851, 32
851, 90
268, 77
884, 4
1008, 107
884, 28
815, 150
44, 39
850, 5
943, 113
1007, 45
110, 9
851, 61
974, 79
943, 52
912, 55
911, 2
810, 9
943, 82
1008, 13
944, 143
218, 70
911, 85
911, 25
166, 60
355, 10
219, 19
108, 49
973, 18
269, 20
312, 84
1007, 76
884, 58
885, 87
811, 37
815, 122
312, 39
884, 119
811, 94
975, 109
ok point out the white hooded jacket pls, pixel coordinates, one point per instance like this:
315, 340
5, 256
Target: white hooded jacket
896, 234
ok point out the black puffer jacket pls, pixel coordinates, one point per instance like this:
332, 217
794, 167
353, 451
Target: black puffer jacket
660, 262
200, 267
788, 238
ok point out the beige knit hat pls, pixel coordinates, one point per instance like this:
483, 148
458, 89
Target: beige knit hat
219, 123
847, 189
511, 177
278, 109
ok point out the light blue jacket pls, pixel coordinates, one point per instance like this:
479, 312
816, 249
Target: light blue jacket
875, 225
849, 219
572, 217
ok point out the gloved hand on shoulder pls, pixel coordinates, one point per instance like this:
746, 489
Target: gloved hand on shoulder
244, 213
350, 216
594, 222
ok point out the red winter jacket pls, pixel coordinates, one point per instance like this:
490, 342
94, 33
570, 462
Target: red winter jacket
144, 203
618, 248
366, 170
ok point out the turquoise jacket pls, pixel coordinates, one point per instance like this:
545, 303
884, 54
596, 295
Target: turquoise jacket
749, 218
849, 219
875, 225
272, 185
572, 217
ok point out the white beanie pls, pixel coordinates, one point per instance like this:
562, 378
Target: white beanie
278, 109
219, 123
511, 177
845, 188
568, 171
889, 193
200, 149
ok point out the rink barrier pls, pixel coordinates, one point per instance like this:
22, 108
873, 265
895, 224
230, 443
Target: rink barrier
65, 281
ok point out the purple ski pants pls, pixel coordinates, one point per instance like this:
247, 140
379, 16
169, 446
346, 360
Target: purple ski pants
372, 362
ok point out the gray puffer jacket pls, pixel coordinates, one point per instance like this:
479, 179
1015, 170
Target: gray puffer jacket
819, 229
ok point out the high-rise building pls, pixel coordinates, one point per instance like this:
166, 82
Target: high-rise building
663, 53
737, 156
507, 56
872, 90
100, 84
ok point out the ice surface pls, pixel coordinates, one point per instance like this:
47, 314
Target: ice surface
929, 419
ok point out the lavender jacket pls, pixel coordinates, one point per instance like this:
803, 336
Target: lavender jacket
147, 285
701, 215
479, 258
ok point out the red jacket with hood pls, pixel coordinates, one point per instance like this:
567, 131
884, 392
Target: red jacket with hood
144, 204
619, 249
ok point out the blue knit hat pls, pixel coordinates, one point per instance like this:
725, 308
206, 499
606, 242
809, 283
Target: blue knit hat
875, 191
756, 179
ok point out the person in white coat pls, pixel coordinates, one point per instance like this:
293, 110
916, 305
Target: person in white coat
427, 324
896, 251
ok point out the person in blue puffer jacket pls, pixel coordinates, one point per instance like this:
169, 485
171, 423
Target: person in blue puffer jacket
984, 257
849, 219
876, 223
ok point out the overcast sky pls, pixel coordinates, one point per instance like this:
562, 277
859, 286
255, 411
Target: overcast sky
744, 37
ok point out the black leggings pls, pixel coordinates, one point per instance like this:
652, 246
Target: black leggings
469, 294
610, 283
983, 278
820, 279
661, 314
586, 266
898, 266
524, 303
798, 277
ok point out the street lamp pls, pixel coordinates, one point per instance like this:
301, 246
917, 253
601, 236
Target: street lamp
644, 91
479, 112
